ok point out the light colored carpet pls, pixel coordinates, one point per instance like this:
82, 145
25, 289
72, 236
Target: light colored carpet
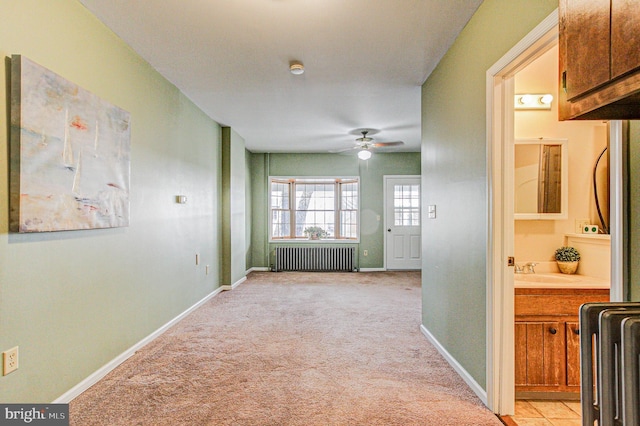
291, 349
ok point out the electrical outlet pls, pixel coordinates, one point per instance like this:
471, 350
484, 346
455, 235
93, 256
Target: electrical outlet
365, 253
580, 224
9, 361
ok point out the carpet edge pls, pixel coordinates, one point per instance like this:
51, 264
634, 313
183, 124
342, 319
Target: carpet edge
97, 375
469, 380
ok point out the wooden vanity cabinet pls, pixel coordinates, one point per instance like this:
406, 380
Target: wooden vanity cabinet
599, 55
547, 340
572, 332
539, 353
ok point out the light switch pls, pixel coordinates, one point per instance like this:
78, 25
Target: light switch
431, 211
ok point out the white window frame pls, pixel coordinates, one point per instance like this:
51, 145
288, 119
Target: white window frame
291, 200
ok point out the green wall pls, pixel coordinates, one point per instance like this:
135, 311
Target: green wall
248, 208
634, 207
454, 176
234, 223
371, 174
259, 206
73, 301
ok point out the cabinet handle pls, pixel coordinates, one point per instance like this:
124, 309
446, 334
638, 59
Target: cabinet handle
553, 330
577, 331
564, 81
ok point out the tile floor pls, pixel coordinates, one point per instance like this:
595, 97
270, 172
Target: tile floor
547, 413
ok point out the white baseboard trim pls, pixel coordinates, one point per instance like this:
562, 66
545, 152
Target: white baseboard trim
257, 269
470, 381
95, 377
373, 269
234, 285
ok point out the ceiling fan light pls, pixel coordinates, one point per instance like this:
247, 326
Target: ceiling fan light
365, 154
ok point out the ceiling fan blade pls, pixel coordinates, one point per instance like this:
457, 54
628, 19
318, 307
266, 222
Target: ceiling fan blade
383, 144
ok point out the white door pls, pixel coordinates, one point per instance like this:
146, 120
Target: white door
402, 222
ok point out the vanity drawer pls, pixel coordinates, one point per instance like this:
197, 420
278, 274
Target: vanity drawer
555, 302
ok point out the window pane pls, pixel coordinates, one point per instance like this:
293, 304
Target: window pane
349, 199
349, 224
315, 197
406, 202
279, 195
348, 212
315, 206
280, 223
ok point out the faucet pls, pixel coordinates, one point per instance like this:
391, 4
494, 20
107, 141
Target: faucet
528, 268
518, 269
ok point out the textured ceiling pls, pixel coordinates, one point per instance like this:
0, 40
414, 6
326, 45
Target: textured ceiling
365, 61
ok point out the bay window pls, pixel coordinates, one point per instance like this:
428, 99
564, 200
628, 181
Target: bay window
314, 208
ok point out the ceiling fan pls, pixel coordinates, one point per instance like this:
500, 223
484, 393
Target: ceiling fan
365, 143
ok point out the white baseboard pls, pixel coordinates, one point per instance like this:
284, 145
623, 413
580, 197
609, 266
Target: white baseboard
234, 285
95, 377
469, 380
257, 269
372, 269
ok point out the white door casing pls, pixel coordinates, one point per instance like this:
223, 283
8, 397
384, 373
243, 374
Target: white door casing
500, 392
403, 244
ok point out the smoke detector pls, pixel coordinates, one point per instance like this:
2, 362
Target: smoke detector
296, 68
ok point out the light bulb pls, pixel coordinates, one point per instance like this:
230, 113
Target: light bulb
546, 99
525, 99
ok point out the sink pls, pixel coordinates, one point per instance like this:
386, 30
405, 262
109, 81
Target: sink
557, 280
545, 278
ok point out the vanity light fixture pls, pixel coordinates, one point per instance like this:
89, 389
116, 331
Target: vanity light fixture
364, 154
296, 68
533, 101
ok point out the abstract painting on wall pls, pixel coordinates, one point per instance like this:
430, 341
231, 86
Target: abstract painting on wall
69, 154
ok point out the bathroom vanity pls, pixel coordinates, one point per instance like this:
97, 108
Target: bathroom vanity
547, 340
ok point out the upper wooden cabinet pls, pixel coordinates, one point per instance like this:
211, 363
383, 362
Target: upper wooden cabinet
587, 44
625, 37
599, 59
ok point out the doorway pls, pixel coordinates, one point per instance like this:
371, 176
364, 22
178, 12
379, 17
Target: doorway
402, 242
500, 274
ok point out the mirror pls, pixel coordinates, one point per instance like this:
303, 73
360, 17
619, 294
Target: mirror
540, 179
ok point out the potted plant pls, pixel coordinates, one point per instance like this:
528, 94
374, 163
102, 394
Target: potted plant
567, 259
315, 232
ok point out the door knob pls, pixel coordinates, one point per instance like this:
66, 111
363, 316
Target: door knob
553, 330
389, 230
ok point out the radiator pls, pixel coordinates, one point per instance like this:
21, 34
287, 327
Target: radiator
609, 363
315, 259
631, 370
